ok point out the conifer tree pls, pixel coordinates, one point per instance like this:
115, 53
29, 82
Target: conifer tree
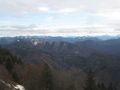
71, 87
90, 81
101, 86
9, 65
47, 83
111, 87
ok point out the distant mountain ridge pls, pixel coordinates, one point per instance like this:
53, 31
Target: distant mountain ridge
6, 40
109, 46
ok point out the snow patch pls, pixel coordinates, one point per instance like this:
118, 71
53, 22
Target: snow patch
18, 40
19, 87
35, 43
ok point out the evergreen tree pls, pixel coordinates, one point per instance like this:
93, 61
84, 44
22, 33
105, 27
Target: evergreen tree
47, 83
15, 76
111, 87
9, 65
90, 81
71, 87
101, 86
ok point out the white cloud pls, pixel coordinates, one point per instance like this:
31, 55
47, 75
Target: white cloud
64, 30
113, 14
43, 9
67, 10
63, 6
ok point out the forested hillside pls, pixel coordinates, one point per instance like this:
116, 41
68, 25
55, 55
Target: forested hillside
68, 64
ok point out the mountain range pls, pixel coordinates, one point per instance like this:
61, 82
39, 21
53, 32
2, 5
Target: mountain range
62, 54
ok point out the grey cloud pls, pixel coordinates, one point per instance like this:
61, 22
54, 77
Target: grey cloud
21, 29
38, 30
26, 6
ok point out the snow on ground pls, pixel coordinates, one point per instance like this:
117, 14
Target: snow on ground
19, 87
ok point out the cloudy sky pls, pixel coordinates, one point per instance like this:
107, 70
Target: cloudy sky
59, 17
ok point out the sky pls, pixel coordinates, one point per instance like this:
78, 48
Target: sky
59, 17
